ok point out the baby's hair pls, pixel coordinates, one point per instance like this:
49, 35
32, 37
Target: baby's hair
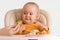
32, 3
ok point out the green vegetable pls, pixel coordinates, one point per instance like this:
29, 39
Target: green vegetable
38, 32
19, 21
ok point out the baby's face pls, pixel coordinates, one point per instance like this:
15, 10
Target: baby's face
29, 14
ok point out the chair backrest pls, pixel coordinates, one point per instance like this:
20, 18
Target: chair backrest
12, 15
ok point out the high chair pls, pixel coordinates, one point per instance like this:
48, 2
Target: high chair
15, 14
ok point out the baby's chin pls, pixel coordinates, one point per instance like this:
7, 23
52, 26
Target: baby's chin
28, 22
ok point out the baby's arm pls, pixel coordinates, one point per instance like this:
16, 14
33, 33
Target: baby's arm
22, 28
42, 26
13, 30
16, 30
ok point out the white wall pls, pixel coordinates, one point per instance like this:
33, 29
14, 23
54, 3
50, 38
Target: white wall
51, 6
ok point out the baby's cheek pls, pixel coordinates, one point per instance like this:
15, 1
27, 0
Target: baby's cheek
23, 17
32, 19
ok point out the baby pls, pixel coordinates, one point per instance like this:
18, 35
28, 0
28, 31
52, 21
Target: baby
29, 22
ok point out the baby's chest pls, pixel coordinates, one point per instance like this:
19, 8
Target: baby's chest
30, 27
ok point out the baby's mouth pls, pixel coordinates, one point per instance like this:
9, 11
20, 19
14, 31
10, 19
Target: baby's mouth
27, 18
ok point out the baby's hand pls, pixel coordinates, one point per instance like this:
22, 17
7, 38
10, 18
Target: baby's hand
42, 26
13, 29
22, 28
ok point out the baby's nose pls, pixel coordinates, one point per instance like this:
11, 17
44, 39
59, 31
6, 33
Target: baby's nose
28, 15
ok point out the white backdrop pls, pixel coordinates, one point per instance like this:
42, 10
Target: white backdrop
51, 6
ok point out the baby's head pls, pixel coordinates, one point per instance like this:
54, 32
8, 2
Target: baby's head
30, 13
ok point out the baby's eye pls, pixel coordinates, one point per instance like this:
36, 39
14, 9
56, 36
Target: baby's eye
30, 13
24, 13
